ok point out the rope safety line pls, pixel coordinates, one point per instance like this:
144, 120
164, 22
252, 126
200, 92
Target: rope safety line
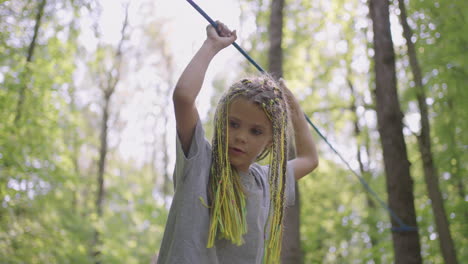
402, 226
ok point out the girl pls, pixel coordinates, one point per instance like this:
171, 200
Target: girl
227, 208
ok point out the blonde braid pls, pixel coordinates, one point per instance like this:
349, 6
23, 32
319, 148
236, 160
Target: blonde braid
277, 178
228, 210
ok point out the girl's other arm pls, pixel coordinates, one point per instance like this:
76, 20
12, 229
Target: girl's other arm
191, 80
306, 153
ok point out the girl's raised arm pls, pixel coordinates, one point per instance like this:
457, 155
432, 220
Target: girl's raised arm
306, 153
191, 80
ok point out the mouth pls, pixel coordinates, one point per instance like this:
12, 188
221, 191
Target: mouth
235, 150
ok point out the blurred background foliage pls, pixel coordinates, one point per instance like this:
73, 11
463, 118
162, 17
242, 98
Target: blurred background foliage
74, 107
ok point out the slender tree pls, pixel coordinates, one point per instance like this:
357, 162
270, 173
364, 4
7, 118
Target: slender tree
291, 244
361, 145
165, 66
406, 244
108, 83
456, 155
169, 67
374, 240
431, 175
275, 36
29, 58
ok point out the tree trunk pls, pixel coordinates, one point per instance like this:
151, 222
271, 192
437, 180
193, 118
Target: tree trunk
291, 251
365, 174
166, 183
424, 141
406, 244
169, 61
275, 53
108, 85
291, 243
101, 170
455, 170
102, 153
29, 56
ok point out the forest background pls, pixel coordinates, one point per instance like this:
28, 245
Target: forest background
87, 130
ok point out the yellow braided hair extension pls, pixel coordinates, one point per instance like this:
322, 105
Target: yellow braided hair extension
228, 211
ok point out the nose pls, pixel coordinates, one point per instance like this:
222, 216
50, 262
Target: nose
240, 136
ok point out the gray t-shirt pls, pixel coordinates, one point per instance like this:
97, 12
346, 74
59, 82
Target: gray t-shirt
186, 233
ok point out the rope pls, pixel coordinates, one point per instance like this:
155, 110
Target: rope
402, 226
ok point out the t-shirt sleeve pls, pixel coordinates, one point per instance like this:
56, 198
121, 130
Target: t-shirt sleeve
290, 188
198, 155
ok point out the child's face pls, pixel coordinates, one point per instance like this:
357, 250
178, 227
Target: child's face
250, 132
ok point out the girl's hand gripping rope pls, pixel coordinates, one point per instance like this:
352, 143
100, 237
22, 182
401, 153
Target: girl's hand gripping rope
191, 80
221, 37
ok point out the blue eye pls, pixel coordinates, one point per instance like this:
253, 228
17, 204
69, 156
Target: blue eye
233, 124
256, 132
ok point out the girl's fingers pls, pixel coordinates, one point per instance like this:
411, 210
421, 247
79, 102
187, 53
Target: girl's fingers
227, 32
223, 30
218, 27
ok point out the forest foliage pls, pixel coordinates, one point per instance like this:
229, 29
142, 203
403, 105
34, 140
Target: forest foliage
53, 103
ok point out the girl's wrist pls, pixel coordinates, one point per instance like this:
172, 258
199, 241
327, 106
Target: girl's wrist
212, 46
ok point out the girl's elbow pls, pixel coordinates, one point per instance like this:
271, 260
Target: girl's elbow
315, 163
306, 166
177, 95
